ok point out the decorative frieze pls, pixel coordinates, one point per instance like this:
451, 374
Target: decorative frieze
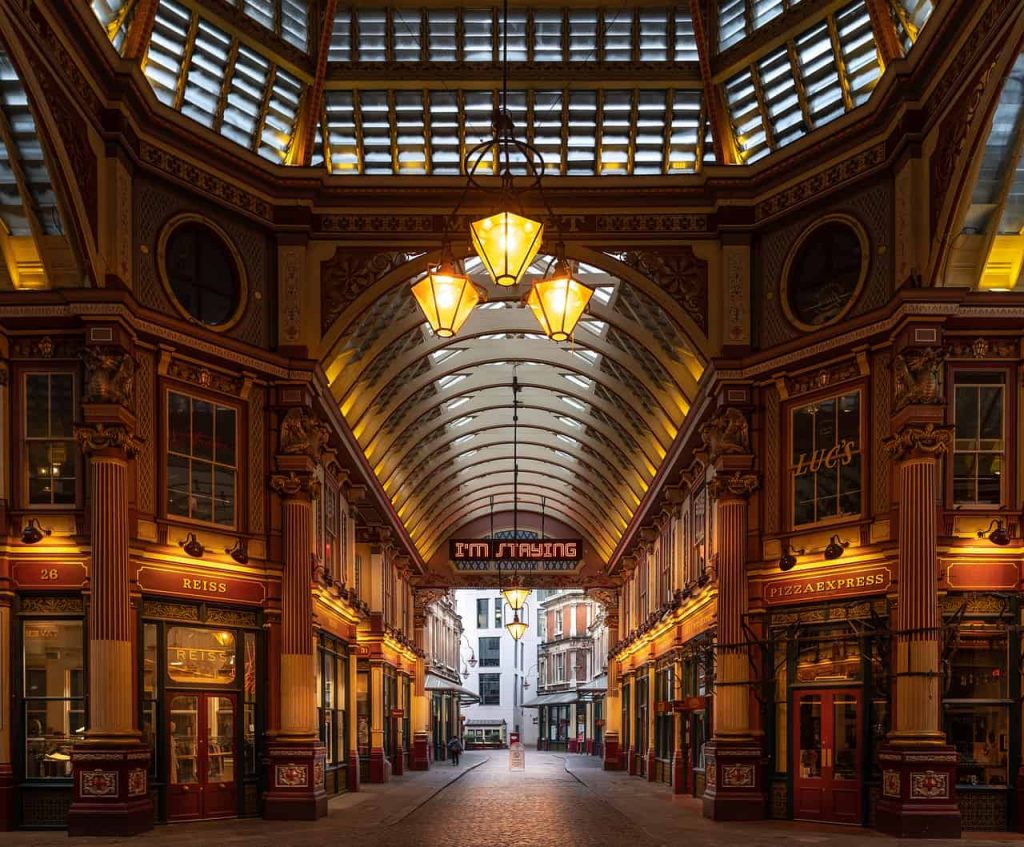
107, 436
204, 377
928, 439
983, 348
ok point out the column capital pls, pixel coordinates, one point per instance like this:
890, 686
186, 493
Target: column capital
739, 486
108, 438
294, 484
916, 440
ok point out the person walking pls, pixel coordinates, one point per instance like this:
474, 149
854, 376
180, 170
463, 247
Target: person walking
454, 749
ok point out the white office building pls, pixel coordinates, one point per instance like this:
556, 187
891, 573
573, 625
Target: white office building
496, 666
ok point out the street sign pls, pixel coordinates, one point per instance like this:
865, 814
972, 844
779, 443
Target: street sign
516, 757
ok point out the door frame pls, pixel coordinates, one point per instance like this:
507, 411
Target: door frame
859, 692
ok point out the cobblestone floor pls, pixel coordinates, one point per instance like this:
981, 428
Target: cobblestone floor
559, 801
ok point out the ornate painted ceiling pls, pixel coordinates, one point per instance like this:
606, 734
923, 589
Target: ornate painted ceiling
609, 89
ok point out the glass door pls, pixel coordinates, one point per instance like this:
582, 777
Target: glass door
828, 753
202, 755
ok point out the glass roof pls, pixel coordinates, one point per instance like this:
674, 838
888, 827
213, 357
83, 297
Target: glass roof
597, 414
602, 90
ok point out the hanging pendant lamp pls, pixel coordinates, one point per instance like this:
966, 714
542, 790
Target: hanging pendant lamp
516, 627
558, 302
446, 297
506, 243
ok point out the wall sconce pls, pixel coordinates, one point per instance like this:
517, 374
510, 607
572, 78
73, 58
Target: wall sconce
788, 560
240, 552
193, 546
996, 533
33, 532
834, 548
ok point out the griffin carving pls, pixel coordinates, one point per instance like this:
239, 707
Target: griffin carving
726, 434
109, 376
919, 377
303, 434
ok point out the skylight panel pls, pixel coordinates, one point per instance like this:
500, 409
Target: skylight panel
732, 22
463, 456
547, 35
653, 26
295, 23
596, 327
686, 40
603, 294
576, 379
412, 142
911, 16
442, 35
461, 422
516, 43
282, 111
741, 97
547, 128
581, 142
372, 34
650, 133
765, 11
444, 355
681, 156
446, 382
779, 91
583, 34
568, 457
444, 132
342, 144
452, 405
588, 356
617, 123
245, 95
859, 52
376, 126
575, 424
493, 305
567, 439
618, 37
462, 439
820, 75
478, 35
167, 50
573, 402
339, 48
206, 71
405, 35
114, 16
261, 11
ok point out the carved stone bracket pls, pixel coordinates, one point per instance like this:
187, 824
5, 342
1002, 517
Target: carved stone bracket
607, 597
107, 436
726, 434
303, 434
919, 377
109, 376
290, 484
737, 485
915, 440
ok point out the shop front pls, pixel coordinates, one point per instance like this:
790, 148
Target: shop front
557, 719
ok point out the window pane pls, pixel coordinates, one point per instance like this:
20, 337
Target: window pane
225, 444
179, 427
37, 405
202, 656
202, 429
62, 406
981, 737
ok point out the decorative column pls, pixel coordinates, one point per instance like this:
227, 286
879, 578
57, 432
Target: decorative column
353, 721
6, 701
679, 769
612, 729
652, 753
918, 766
380, 766
295, 757
110, 795
736, 788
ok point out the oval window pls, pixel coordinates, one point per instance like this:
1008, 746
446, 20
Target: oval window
202, 273
825, 273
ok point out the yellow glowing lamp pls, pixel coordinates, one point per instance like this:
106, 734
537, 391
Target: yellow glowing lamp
515, 596
506, 243
558, 302
516, 628
446, 298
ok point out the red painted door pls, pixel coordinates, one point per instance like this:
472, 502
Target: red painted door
827, 756
202, 756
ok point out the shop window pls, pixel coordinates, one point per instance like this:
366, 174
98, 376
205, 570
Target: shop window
780, 655
150, 693
54, 696
332, 687
664, 721
201, 460
50, 438
978, 457
363, 711
332, 532
490, 689
490, 652
497, 613
700, 510
826, 467
481, 613
249, 734
640, 713
829, 655
200, 656
976, 708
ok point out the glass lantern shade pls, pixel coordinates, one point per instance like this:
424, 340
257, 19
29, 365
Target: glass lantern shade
558, 302
506, 243
516, 628
446, 298
515, 596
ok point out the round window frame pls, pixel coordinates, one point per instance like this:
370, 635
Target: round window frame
865, 266
161, 260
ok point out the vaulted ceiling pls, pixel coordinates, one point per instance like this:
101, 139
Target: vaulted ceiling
596, 414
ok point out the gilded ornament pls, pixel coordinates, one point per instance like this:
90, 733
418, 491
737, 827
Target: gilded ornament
929, 439
919, 376
727, 433
737, 485
303, 434
291, 483
100, 436
109, 376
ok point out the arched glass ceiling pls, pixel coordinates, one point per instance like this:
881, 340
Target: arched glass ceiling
610, 89
28, 204
597, 414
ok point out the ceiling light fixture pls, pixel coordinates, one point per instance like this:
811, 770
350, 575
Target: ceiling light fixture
506, 241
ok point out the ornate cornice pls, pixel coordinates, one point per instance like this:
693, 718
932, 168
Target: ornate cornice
737, 485
107, 436
916, 440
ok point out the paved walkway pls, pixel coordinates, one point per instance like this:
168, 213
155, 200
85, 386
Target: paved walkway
559, 801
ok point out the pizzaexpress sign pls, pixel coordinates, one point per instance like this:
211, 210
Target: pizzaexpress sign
830, 586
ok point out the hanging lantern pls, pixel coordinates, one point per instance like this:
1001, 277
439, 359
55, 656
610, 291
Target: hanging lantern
516, 628
506, 243
446, 298
515, 596
558, 302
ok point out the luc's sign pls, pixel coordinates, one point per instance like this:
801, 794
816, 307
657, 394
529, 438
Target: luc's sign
501, 550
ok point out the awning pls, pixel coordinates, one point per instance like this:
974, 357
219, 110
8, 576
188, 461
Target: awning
597, 687
483, 723
439, 683
561, 699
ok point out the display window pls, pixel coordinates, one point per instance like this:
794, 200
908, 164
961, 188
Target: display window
51, 454
201, 656
826, 463
332, 698
54, 685
979, 457
363, 710
664, 720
